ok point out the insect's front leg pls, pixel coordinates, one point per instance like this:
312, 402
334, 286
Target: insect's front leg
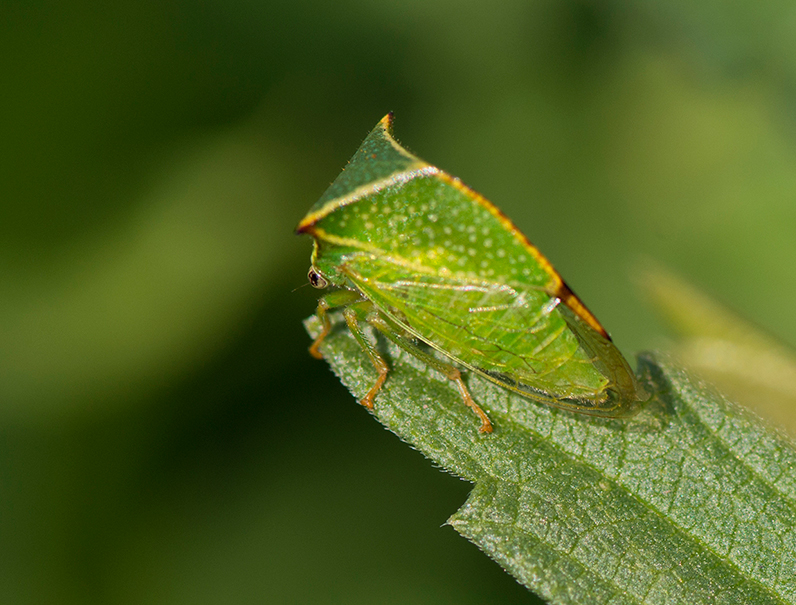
332, 300
354, 314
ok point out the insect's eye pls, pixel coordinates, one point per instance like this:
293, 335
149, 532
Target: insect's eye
316, 279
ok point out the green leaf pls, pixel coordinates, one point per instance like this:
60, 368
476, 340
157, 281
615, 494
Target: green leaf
692, 501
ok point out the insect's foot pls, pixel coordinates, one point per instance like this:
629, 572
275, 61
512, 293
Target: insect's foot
486, 425
315, 352
367, 400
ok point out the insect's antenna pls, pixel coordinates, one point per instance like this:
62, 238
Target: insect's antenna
299, 287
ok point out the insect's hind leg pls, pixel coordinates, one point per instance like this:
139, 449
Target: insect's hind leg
394, 333
332, 300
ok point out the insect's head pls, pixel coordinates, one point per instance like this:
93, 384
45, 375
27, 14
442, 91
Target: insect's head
316, 279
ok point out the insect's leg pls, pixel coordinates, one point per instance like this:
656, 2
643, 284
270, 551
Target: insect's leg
394, 334
338, 298
353, 315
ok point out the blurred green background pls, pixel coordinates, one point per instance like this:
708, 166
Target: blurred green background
164, 435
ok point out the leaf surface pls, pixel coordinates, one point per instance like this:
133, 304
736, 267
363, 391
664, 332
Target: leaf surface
692, 501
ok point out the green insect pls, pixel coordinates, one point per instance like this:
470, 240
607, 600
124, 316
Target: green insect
422, 258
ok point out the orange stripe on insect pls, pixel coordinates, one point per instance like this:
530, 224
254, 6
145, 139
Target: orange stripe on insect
506, 223
570, 299
557, 285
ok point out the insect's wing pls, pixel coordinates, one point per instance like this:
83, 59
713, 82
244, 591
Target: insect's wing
624, 395
524, 339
